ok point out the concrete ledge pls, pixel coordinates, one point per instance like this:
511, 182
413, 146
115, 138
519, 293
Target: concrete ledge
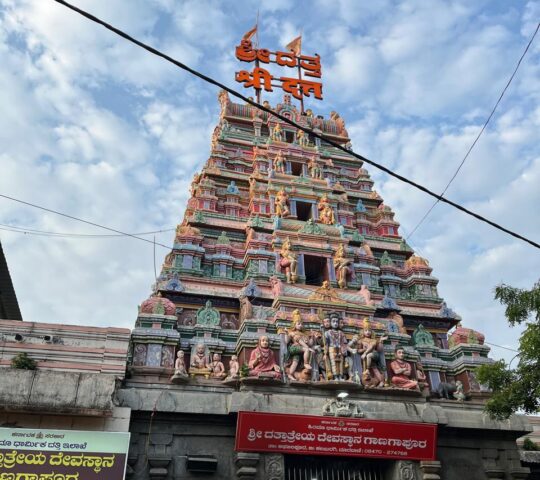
53, 392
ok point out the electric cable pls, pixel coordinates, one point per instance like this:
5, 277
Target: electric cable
292, 123
32, 231
83, 221
478, 136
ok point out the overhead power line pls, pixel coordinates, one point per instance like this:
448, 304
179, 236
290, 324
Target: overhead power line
290, 122
32, 231
83, 221
478, 136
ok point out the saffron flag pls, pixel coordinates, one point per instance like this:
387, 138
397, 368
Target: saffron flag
295, 46
248, 35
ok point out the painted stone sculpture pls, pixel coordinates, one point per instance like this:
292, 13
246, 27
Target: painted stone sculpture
343, 266
180, 372
335, 349
281, 204
262, 362
402, 371
199, 361
326, 212
422, 337
299, 352
372, 356
216, 367
208, 315
289, 262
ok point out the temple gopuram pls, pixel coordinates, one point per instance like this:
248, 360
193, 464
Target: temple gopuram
292, 332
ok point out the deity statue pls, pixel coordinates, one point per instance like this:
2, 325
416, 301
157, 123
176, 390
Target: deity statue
301, 138
459, 394
402, 371
199, 361
289, 261
279, 163
179, 365
422, 337
423, 384
342, 266
234, 368
353, 360
398, 320
372, 356
180, 372
277, 134
335, 348
315, 170
281, 204
296, 317
216, 367
299, 349
232, 188
208, 315
326, 212
325, 293
262, 362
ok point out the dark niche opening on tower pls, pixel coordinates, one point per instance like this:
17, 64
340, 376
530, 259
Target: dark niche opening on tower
296, 169
315, 269
303, 211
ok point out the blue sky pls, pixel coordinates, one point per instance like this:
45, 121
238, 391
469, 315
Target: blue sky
98, 128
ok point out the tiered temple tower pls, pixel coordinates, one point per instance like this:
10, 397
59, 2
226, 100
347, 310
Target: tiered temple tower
281, 234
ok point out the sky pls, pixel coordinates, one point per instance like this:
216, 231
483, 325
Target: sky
97, 128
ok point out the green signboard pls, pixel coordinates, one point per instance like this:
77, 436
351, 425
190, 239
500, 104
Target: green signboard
37, 454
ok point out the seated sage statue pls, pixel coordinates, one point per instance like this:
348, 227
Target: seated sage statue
199, 361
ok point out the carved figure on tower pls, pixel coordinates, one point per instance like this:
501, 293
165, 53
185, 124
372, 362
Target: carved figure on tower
325, 293
279, 163
199, 361
326, 212
299, 351
342, 264
216, 367
402, 371
289, 261
335, 348
315, 171
281, 204
277, 133
353, 362
234, 368
301, 138
372, 356
262, 361
180, 372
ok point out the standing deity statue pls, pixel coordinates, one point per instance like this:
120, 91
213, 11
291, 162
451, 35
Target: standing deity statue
402, 371
301, 138
335, 348
299, 350
372, 356
315, 170
262, 362
289, 261
343, 266
353, 361
281, 204
277, 134
326, 212
279, 163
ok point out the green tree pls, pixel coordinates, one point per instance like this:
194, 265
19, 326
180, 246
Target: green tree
517, 388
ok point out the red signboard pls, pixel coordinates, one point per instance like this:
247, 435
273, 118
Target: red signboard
348, 437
